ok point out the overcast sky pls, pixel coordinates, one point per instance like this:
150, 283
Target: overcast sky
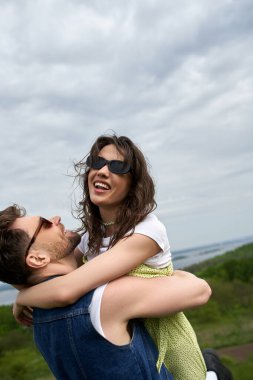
176, 77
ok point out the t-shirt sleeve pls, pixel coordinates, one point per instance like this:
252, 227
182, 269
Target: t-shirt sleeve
156, 230
153, 228
83, 245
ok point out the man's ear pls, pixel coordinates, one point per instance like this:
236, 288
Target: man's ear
37, 259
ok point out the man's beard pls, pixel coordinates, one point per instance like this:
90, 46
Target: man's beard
63, 248
73, 242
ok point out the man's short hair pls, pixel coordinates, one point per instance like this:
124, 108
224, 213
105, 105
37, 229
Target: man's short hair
13, 244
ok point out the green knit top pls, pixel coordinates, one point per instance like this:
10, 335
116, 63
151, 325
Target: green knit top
174, 336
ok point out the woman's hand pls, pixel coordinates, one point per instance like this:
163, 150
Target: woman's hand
23, 314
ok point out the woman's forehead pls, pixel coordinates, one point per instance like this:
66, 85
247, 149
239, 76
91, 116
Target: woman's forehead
111, 151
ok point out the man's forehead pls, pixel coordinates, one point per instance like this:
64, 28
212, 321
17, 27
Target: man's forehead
26, 223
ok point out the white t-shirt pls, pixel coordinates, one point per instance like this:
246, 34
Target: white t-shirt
151, 227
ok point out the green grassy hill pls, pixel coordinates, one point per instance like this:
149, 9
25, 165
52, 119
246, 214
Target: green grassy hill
225, 321
19, 358
227, 318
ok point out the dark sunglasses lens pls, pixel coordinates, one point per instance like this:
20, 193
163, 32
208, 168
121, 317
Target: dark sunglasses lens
95, 162
98, 162
119, 167
46, 223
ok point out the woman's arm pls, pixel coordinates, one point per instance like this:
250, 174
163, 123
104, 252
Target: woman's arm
152, 297
169, 295
119, 260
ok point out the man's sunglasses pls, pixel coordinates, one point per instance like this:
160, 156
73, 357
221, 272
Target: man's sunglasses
45, 223
115, 166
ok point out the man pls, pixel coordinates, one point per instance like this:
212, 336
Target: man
93, 338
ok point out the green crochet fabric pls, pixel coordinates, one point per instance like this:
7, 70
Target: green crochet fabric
174, 336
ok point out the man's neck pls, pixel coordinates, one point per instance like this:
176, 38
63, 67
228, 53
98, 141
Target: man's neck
57, 268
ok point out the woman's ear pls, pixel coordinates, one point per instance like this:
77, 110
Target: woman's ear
37, 259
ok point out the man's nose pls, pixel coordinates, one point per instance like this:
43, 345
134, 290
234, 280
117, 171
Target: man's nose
56, 219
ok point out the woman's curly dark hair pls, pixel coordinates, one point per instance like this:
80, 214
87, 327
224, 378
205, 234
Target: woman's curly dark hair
137, 205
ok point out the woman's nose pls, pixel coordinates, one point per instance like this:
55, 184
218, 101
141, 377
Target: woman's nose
104, 171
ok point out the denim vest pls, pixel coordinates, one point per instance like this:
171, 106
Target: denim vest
74, 350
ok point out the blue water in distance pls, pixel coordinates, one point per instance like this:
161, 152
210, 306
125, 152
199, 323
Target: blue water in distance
187, 257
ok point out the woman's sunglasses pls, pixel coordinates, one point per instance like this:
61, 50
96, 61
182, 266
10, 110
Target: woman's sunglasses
45, 223
115, 166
